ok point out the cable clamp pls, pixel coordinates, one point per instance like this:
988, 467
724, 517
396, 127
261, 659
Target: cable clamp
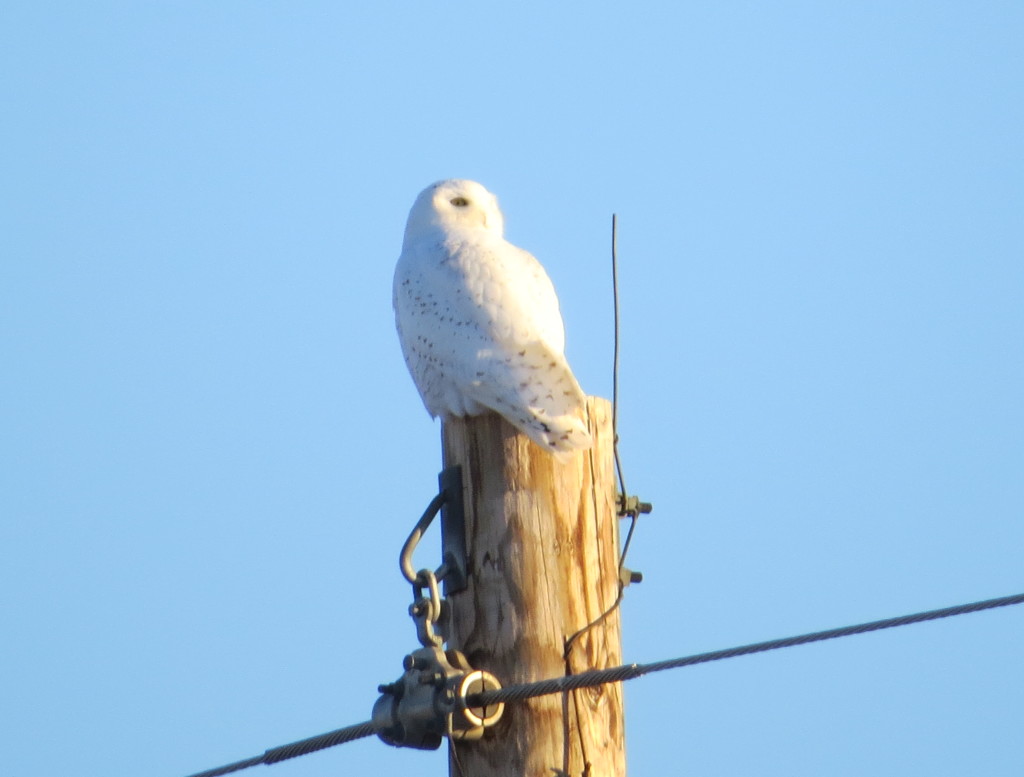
429, 701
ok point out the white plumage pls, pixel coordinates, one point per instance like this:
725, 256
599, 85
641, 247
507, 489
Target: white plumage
479, 323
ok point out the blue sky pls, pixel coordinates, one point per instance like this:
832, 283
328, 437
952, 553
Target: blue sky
211, 450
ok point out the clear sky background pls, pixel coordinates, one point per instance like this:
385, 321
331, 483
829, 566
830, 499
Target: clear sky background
212, 452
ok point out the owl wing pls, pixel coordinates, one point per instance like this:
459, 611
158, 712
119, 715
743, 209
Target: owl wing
480, 327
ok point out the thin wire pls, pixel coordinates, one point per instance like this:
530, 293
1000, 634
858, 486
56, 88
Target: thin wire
579, 735
453, 758
616, 674
615, 355
633, 516
570, 641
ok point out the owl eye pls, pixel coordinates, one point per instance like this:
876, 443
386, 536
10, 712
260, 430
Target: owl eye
459, 202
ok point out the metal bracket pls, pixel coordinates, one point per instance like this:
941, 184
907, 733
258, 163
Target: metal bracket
453, 534
453, 531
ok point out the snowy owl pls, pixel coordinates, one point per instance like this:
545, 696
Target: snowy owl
479, 323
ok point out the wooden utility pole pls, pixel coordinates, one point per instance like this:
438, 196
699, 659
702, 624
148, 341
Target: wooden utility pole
543, 552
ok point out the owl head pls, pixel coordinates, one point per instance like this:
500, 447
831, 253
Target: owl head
454, 205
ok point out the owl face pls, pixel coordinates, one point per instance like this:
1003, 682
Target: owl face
454, 205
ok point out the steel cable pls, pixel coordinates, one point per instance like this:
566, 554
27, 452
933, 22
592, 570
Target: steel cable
595, 677
302, 747
616, 674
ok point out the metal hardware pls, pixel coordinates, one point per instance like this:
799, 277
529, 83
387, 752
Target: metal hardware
453, 534
627, 576
427, 610
428, 702
631, 506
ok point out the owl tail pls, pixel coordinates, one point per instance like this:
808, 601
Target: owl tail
561, 436
535, 391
